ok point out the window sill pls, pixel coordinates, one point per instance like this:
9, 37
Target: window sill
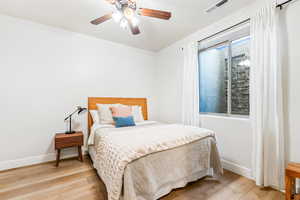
225, 116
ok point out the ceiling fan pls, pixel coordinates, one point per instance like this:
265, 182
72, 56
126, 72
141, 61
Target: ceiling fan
126, 14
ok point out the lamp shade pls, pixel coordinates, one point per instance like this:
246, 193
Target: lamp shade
81, 110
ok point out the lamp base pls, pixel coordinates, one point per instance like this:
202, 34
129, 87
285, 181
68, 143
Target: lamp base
70, 132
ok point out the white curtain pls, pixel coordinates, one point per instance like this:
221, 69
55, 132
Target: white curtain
266, 98
190, 93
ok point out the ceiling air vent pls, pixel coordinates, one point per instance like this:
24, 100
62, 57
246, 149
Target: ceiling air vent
217, 5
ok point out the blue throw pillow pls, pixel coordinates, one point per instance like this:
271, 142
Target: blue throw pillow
124, 121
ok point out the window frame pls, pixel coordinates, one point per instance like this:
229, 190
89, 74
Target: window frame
229, 71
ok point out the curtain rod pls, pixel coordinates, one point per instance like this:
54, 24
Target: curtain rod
229, 28
282, 4
224, 30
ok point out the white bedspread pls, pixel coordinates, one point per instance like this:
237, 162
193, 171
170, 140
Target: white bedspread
118, 147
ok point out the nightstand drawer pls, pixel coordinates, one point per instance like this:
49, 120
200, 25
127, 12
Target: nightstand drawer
63, 142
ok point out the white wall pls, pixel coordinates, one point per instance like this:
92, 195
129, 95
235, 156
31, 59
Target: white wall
46, 72
234, 134
291, 31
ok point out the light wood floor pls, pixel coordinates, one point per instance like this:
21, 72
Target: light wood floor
74, 180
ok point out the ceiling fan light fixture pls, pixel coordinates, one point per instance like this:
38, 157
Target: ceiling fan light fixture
126, 15
117, 16
135, 21
124, 23
129, 13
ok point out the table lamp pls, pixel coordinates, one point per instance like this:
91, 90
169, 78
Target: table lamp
79, 111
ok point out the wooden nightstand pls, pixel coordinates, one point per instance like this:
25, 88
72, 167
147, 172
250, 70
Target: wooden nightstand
292, 172
63, 140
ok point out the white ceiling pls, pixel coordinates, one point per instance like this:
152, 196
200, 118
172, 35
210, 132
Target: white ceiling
75, 15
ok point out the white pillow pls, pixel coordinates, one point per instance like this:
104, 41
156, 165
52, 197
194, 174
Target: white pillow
95, 116
105, 113
137, 114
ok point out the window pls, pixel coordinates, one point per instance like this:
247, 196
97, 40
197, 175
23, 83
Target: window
224, 67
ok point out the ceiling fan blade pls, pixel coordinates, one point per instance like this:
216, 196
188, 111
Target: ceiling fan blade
155, 13
111, 1
102, 19
134, 29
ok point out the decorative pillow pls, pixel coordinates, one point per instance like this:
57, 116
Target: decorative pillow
137, 114
121, 111
95, 116
123, 121
105, 113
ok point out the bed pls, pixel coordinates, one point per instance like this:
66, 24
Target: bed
149, 160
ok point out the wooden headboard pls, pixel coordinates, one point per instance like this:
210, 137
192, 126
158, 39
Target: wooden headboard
92, 101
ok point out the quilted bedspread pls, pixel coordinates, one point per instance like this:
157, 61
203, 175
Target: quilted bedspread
118, 147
